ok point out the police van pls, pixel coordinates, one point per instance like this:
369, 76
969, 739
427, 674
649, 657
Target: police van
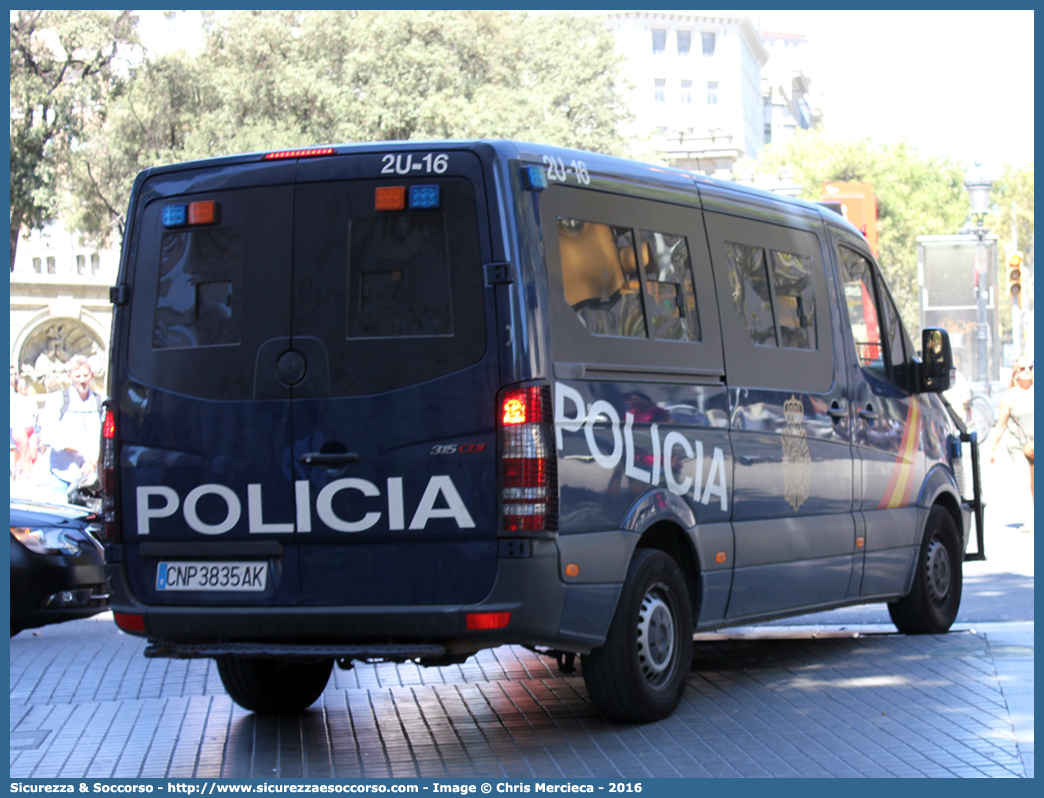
408, 401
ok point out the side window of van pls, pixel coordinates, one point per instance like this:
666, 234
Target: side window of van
773, 295
670, 294
878, 338
630, 287
600, 277
893, 330
860, 299
605, 283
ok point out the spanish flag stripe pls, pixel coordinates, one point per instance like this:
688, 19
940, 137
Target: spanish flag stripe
912, 456
897, 494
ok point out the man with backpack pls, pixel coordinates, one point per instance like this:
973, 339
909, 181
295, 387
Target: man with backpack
71, 426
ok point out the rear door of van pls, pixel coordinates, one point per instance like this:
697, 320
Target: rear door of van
393, 416
204, 421
309, 383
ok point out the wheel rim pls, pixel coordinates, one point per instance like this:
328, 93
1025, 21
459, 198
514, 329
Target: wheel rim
938, 571
656, 644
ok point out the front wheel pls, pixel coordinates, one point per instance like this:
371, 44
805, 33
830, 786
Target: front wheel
638, 674
932, 604
273, 687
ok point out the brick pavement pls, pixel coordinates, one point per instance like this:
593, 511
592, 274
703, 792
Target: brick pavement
86, 703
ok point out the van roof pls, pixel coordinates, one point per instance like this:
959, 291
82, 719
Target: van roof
608, 166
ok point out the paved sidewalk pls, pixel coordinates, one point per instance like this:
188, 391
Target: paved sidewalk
762, 702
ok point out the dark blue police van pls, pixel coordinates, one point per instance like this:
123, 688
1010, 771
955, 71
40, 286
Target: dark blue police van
407, 401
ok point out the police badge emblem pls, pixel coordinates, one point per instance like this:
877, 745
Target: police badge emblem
797, 462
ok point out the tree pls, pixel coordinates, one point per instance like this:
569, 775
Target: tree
916, 195
61, 79
1012, 220
272, 79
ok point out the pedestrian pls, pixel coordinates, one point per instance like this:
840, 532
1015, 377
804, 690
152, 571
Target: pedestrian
70, 425
23, 430
1016, 418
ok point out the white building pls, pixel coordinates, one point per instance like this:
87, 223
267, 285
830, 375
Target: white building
697, 85
789, 105
59, 306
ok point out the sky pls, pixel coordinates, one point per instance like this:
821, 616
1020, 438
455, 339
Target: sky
953, 83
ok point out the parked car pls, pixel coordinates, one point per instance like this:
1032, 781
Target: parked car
57, 565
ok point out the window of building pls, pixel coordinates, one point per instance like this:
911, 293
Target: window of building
95, 263
712, 92
686, 92
51, 269
768, 132
708, 44
36, 265
659, 41
660, 90
81, 264
684, 42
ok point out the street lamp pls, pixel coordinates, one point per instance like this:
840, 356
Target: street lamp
978, 186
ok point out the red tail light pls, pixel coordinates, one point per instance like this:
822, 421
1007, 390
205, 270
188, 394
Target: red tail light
308, 153
487, 620
107, 463
529, 487
130, 623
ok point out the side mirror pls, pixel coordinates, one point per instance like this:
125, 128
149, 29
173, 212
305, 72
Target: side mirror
938, 360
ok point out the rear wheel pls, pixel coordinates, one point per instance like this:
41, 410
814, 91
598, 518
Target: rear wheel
273, 687
638, 674
932, 604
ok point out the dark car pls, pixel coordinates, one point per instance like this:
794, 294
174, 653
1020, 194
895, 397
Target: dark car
57, 569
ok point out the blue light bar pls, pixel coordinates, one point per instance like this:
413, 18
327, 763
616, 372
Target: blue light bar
175, 215
424, 197
534, 178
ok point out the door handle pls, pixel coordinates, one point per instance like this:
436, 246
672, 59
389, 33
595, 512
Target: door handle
837, 412
333, 459
869, 414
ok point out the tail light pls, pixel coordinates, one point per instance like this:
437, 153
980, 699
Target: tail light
528, 479
107, 463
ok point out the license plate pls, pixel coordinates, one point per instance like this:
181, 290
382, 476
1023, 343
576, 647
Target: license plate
250, 577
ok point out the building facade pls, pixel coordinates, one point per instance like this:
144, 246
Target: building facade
786, 89
697, 86
59, 307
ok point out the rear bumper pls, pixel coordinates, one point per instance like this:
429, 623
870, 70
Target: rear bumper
544, 611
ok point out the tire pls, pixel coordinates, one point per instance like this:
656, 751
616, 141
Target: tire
932, 604
273, 687
638, 675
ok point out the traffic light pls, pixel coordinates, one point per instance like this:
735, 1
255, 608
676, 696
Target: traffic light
1015, 277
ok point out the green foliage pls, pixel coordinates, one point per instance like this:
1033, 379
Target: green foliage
916, 195
1012, 198
61, 81
274, 79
